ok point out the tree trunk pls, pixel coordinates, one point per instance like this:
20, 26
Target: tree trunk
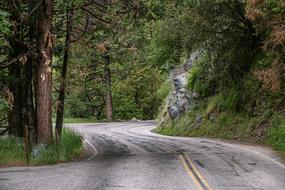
44, 73
28, 105
29, 79
15, 73
61, 96
108, 84
15, 114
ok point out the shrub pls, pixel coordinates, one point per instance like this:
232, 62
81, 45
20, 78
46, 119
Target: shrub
276, 134
200, 79
70, 146
164, 90
11, 150
71, 143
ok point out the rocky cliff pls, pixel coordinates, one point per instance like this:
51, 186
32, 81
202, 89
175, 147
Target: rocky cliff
180, 98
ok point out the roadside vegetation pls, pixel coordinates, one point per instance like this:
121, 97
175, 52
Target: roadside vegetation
79, 120
240, 74
12, 150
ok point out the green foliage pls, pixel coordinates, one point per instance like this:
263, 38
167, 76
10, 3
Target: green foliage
70, 146
165, 45
125, 107
79, 120
136, 95
11, 151
4, 23
5, 31
200, 79
164, 89
226, 125
4, 106
65, 5
276, 133
227, 41
232, 97
48, 155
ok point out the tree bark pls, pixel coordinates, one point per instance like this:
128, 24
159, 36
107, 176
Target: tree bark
28, 110
15, 73
44, 73
108, 84
61, 96
30, 117
15, 114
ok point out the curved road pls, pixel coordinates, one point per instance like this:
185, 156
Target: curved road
127, 156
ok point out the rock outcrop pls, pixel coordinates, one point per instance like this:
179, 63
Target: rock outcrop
180, 99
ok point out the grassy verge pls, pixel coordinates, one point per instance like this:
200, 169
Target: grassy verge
12, 150
267, 129
79, 120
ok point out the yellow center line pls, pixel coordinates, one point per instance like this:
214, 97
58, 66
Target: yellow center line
200, 182
205, 182
190, 173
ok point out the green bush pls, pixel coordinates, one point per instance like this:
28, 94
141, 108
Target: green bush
47, 156
11, 150
137, 95
80, 120
70, 146
164, 90
165, 48
125, 107
276, 134
231, 98
227, 100
200, 79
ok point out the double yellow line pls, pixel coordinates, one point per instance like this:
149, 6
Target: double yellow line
200, 182
198, 179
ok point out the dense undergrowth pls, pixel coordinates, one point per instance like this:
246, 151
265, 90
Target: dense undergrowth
240, 74
12, 150
216, 118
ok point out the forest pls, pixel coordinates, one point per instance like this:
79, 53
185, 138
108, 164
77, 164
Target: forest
111, 60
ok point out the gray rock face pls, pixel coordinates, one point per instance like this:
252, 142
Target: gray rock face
180, 82
180, 99
179, 102
173, 111
188, 65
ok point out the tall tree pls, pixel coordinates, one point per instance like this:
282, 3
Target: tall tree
15, 69
61, 96
108, 84
44, 72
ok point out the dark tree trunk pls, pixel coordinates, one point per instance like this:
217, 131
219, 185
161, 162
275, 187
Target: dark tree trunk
61, 96
15, 73
30, 117
108, 84
15, 115
44, 73
28, 105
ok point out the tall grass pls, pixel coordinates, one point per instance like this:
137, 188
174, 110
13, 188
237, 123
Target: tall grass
12, 150
268, 128
69, 147
276, 134
79, 120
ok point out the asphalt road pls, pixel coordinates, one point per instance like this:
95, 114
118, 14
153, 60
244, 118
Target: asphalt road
127, 156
